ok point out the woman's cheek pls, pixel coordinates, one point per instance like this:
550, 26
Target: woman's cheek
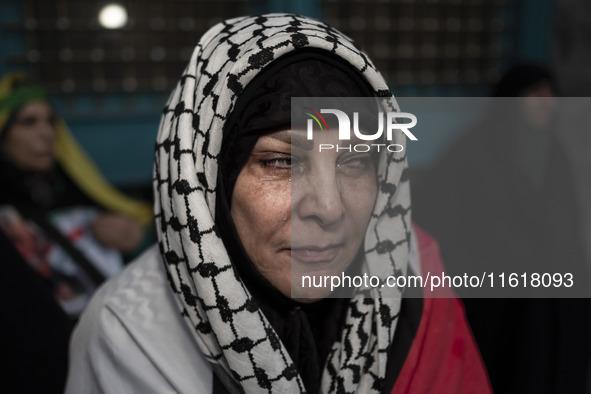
277, 202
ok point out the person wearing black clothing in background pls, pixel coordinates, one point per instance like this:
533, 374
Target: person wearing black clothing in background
502, 199
35, 331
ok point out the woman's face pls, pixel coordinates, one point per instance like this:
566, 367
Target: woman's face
299, 211
30, 141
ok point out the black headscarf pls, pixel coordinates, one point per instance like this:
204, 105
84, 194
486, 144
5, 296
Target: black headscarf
521, 77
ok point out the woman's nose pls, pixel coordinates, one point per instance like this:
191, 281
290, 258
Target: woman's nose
320, 199
46, 130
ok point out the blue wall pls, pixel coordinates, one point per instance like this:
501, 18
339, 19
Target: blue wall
11, 11
122, 146
120, 134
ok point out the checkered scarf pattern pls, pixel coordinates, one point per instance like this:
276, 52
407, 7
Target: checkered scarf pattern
226, 322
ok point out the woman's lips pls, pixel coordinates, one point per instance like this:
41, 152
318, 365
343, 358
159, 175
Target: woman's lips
315, 254
44, 154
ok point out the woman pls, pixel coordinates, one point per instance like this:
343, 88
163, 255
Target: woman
241, 198
59, 212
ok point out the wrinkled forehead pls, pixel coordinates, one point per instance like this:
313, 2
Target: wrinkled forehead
299, 139
35, 107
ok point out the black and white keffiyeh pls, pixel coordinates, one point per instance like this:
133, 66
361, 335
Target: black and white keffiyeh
227, 324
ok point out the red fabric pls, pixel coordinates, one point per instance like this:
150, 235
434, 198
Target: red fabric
443, 357
75, 234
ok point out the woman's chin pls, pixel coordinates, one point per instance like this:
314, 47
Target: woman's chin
309, 294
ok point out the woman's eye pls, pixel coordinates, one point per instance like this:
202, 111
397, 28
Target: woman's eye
279, 163
357, 162
28, 121
356, 165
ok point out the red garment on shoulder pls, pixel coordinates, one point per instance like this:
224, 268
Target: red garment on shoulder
443, 357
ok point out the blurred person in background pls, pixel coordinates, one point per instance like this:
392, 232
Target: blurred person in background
62, 216
502, 199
